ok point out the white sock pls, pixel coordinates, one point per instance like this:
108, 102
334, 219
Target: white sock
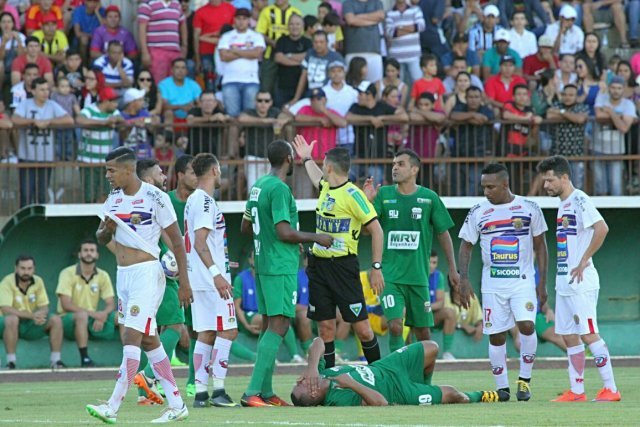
220, 361
201, 358
128, 370
498, 359
162, 369
528, 347
602, 359
11, 357
55, 356
576, 368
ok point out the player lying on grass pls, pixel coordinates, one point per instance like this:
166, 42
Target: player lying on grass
401, 378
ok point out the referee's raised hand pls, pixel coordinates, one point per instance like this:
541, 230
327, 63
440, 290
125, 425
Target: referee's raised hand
302, 147
370, 189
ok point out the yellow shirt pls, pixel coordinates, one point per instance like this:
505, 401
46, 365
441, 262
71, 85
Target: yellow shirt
468, 317
58, 44
341, 213
85, 294
273, 22
12, 296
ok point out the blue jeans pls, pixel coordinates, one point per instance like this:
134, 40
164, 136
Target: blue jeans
607, 176
65, 144
208, 70
465, 179
238, 97
633, 14
577, 174
33, 184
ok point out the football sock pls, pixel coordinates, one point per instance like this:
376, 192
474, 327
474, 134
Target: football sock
329, 355
528, 348
55, 356
84, 353
242, 352
220, 362
602, 360
447, 340
201, 358
474, 396
267, 383
191, 379
266, 356
169, 339
128, 370
11, 357
290, 342
576, 368
371, 350
498, 359
306, 344
427, 378
395, 342
162, 369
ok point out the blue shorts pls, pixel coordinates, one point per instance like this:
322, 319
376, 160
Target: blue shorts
303, 293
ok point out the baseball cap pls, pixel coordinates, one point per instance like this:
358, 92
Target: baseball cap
616, 80
545, 41
568, 12
49, 17
366, 86
107, 94
318, 93
112, 8
507, 58
502, 35
133, 94
491, 10
337, 64
243, 12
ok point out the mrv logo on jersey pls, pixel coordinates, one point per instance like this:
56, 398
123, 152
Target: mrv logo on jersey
407, 240
505, 272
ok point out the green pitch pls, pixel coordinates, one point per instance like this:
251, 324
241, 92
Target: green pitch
62, 403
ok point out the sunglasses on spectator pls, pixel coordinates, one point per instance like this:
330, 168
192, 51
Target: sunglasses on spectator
262, 100
144, 79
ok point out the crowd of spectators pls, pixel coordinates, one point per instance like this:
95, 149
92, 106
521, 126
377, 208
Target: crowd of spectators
228, 76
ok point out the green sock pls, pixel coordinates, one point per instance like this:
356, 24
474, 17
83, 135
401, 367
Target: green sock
169, 339
427, 378
339, 346
474, 396
192, 372
267, 383
265, 359
448, 342
306, 344
395, 342
242, 352
290, 342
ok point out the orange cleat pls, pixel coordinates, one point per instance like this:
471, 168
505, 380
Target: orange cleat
606, 395
275, 401
145, 401
569, 396
148, 385
255, 401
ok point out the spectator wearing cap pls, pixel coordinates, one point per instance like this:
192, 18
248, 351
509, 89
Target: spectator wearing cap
137, 117
290, 52
85, 20
499, 88
54, 42
481, 35
362, 34
460, 48
115, 67
179, 92
522, 40
240, 49
98, 121
543, 60
112, 30
35, 14
492, 57
606, 11
32, 55
404, 23
530, 10
368, 117
319, 123
567, 37
162, 34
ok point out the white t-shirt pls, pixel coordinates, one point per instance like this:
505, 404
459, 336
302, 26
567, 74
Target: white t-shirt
525, 44
571, 42
506, 239
576, 217
145, 214
201, 211
241, 70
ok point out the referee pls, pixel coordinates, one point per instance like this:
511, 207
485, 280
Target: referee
334, 272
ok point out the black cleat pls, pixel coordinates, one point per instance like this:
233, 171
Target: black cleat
524, 391
495, 396
221, 399
201, 400
58, 365
11, 365
87, 363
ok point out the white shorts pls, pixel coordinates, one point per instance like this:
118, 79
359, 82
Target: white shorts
140, 291
576, 314
501, 312
209, 312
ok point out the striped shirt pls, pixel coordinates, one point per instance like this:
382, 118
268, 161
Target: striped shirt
96, 142
274, 23
111, 73
479, 39
163, 23
405, 48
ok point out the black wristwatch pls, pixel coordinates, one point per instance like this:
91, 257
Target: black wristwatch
376, 266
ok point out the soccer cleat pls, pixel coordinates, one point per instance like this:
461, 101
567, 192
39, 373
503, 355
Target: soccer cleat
58, 365
448, 356
254, 401
145, 401
275, 401
606, 395
11, 365
297, 359
177, 362
172, 414
524, 391
221, 399
191, 390
569, 396
103, 412
201, 400
87, 363
495, 396
149, 387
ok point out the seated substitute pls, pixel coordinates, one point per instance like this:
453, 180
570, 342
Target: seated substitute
80, 289
401, 378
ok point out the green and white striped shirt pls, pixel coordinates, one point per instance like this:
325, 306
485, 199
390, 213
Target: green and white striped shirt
96, 142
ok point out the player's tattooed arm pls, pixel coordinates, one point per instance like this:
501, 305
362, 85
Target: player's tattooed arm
465, 292
369, 396
542, 259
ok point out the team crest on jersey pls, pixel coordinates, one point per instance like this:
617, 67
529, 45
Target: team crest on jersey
94, 287
394, 214
427, 306
565, 222
32, 298
517, 223
328, 204
529, 306
135, 310
576, 319
416, 213
488, 325
135, 219
356, 308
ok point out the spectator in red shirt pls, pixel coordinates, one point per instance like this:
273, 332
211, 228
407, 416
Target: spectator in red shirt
499, 88
34, 15
429, 82
536, 64
525, 123
323, 123
33, 55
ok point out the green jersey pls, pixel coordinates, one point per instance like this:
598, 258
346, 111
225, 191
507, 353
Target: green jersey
270, 202
369, 376
408, 222
178, 206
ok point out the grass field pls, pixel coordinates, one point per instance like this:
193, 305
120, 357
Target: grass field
62, 403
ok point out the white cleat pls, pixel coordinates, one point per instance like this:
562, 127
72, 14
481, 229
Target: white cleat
103, 412
297, 359
448, 356
173, 414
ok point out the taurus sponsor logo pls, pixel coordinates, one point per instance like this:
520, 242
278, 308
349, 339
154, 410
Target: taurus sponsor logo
505, 272
563, 269
394, 214
137, 202
529, 306
505, 250
528, 358
601, 360
497, 370
416, 213
515, 208
404, 240
576, 319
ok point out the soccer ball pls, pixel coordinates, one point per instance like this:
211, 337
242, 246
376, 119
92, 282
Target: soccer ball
169, 265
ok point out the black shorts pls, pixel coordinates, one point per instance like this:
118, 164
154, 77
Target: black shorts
335, 282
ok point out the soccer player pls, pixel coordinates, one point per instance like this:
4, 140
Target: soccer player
401, 378
213, 310
409, 213
135, 213
334, 272
580, 233
511, 230
271, 216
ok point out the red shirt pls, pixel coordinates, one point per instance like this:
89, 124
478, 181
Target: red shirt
433, 86
517, 133
21, 62
533, 65
496, 90
326, 137
210, 19
33, 18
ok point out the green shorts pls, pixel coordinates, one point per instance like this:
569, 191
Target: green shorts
395, 298
108, 332
170, 312
188, 320
542, 325
277, 295
27, 330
